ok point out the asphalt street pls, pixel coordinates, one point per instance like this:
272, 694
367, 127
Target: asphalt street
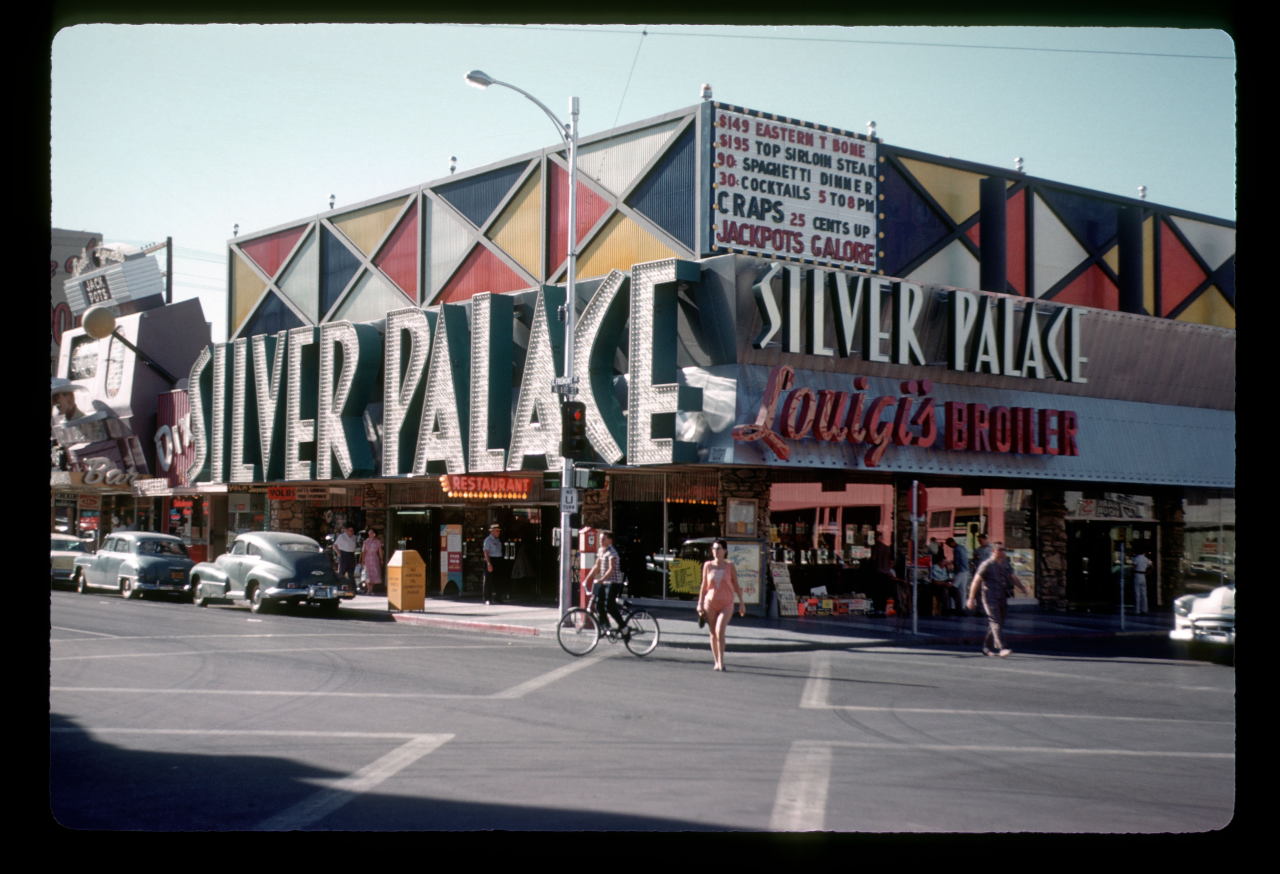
169, 717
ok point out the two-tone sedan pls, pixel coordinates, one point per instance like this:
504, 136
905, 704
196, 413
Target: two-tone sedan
136, 563
268, 568
64, 549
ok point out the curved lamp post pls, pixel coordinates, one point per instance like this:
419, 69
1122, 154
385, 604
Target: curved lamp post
566, 386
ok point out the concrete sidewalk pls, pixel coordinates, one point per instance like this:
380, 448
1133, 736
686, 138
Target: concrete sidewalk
679, 625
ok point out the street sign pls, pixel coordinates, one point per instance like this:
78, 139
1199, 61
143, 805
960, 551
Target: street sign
570, 501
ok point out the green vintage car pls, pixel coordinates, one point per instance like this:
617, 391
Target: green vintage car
269, 569
136, 564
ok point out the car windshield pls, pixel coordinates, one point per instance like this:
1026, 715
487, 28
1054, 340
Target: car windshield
68, 545
160, 547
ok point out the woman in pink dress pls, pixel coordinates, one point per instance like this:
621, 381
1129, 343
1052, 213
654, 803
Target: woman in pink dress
715, 599
372, 559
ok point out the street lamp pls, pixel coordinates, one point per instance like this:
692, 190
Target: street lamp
566, 386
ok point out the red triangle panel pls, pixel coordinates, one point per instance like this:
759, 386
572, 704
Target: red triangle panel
590, 207
399, 257
480, 271
269, 252
1092, 288
1179, 273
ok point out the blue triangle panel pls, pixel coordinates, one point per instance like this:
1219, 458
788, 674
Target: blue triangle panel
667, 195
911, 226
271, 316
337, 266
1094, 222
1225, 278
479, 196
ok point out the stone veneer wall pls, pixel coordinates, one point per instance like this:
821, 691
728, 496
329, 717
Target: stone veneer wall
1051, 546
287, 516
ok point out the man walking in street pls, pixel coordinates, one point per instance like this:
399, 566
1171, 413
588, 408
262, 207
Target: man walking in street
996, 580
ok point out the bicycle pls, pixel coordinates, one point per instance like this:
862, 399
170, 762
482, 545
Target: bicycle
579, 630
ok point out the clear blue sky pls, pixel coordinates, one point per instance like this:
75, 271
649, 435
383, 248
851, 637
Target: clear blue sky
186, 131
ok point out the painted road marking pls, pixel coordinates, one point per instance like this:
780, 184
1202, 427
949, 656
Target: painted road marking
800, 803
816, 696
517, 691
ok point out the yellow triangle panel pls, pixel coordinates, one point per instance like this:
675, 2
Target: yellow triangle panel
246, 289
366, 227
1210, 308
956, 191
618, 245
518, 231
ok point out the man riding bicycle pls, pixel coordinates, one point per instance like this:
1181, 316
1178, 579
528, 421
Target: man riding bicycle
607, 572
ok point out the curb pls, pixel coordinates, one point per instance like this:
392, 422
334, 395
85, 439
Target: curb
465, 624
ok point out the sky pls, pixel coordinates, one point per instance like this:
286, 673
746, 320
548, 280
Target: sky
187, 131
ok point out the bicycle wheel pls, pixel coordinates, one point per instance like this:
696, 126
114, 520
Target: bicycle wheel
578, 632
641, 634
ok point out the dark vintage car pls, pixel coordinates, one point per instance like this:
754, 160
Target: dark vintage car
136, 563
267, 569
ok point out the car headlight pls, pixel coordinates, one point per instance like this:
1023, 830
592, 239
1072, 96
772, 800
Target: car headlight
1182, 606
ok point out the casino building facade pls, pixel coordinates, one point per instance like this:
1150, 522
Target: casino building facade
786, 333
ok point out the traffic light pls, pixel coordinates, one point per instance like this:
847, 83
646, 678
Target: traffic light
573, 430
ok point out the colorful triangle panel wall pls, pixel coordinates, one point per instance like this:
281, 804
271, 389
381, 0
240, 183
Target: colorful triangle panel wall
591, 207
269, 252
1180, 274
246, 290
477, 197
481, 271
518, 231
398, 258
366, 227
667, 192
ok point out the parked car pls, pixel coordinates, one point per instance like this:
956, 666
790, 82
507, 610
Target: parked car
267, 569
136, 563
1206, 619
64, 549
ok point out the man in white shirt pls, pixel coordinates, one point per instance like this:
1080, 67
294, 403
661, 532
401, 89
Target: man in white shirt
345, 544
1141, 564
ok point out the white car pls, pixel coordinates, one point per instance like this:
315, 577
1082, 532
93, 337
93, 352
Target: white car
63, 551
1207, 618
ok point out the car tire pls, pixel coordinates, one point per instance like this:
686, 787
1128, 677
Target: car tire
257, 603
81, 586
126, 589
195, 595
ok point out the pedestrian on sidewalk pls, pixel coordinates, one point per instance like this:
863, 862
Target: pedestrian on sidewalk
372, 558
345, 545
715, 598
996, 580
962, 570
494, 563
1141, 564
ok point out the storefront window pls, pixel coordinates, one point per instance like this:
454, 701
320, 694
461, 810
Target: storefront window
1209, 544
1105, 530
246, 511
653, 516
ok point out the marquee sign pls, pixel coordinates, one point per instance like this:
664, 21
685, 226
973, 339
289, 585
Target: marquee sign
784, 188
436, 392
